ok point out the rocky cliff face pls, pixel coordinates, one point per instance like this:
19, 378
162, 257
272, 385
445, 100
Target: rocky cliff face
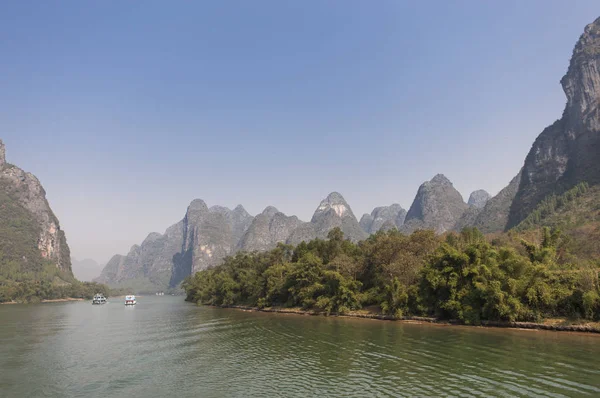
206, 235
333, 211
268, 229
437, 205
494, 215
476, 202
566, 152
149, 264
203, 238
478, 198
383, 218
24, 190
303, 233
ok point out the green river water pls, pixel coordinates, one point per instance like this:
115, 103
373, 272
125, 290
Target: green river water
165, 347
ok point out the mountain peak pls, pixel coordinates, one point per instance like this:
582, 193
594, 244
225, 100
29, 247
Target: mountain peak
219, 209
152, 236
335, 198
336, 202
479, 198
240, 209
333, 211
386, 211
270, 211
196, 210
27, 203
437, 205
580, 83
440, 179
392, 215
566, 152
197, 204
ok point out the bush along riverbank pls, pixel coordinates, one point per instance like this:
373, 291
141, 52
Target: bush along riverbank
562, 325
46, 284
466, 277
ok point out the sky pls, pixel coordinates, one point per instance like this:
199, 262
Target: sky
126, 111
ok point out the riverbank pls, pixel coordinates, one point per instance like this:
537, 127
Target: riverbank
558, 324
62, 300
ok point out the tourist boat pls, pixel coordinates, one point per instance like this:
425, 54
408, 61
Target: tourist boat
130, 300
99, 299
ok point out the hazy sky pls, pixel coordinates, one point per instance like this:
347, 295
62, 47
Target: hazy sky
126, 111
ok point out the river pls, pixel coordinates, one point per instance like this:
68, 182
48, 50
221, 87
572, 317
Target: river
166, 347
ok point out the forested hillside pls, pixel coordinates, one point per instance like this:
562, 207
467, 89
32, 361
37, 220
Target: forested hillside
34, 255
463, 276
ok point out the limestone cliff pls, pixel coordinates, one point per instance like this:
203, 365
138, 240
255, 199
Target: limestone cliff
206, 235
567, 152
332, 212
201, 239
383, 218
437, 205
478, 198
268, 229
27, 220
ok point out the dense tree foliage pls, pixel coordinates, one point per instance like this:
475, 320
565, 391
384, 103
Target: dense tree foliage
47, 284
19, 234
456, 276
44, 281
552, 205
26, 276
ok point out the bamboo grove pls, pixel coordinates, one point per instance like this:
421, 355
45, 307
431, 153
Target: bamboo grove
462, 276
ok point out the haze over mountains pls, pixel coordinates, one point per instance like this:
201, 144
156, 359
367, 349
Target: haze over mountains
206, 235
86, 270
564, 154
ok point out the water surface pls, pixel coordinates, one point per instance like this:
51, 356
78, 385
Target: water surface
165, 347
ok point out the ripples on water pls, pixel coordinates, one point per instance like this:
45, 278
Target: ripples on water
164, 347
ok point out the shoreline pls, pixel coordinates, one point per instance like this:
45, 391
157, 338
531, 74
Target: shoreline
556, 327
61, 300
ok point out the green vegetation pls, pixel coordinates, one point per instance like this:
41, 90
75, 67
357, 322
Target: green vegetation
25, 276
139, 285
19, 234
565, 204
458, 276
47, 284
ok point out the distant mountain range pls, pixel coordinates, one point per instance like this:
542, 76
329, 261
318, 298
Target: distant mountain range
206, 235
564, 155
86, 269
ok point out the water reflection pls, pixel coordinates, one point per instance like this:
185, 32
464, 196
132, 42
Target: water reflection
164, 347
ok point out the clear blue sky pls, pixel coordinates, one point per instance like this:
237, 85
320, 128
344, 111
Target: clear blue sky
126, 111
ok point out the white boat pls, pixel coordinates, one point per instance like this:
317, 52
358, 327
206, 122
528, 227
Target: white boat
99, 299
130, 300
